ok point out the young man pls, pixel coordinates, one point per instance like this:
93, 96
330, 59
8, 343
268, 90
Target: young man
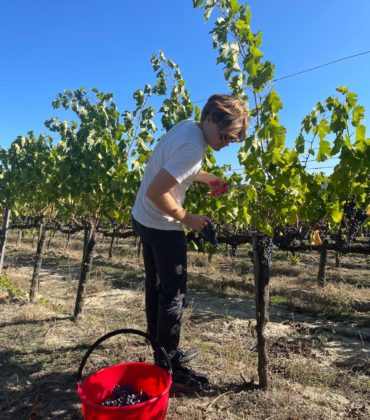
159, 219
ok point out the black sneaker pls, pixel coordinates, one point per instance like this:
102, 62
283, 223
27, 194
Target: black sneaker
178, 358
186, 380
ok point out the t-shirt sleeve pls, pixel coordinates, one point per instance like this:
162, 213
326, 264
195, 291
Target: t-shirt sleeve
185, 163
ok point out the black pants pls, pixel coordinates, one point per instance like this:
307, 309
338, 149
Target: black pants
165, 262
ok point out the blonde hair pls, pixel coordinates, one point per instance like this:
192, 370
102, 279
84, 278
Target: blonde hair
229, 113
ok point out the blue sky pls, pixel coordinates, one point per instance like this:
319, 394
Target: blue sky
47, 47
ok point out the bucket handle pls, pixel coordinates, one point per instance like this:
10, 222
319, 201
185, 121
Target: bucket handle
149, 337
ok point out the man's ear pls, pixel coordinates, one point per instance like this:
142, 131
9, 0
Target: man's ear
209, 119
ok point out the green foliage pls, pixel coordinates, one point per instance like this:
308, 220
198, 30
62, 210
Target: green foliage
294, 259
279, 190
93, 171
29, 170
177, 106
273, 177
332, 124
92, 154
139, 125
7, 285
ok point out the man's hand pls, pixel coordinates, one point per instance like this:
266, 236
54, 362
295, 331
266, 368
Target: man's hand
194, 221
218, 187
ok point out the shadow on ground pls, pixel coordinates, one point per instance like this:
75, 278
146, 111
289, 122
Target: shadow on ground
51, 396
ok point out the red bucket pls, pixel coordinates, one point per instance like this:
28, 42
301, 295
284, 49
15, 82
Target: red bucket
146, 377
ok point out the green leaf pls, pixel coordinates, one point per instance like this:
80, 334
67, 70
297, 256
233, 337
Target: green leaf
351, 99
114, 214
255, 52
360, 134
139, 97
342, 89
292, 215
273, 99
242, 27
338, 142
250, 66
358, 115
242, 156
337, 212
324, 151
306, 123
246, 217
276, 155
270, 189
299, 143
263, 76
323, 128
251, 192
234, 6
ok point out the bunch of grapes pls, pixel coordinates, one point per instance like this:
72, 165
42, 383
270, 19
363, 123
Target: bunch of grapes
352, 220
303, 230
349, 210
209, 234
284, 235
124, 395
354, 225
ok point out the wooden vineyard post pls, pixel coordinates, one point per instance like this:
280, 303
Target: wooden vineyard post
261, 263
321, 273
110, 254
4, 235
67, 242
19, 238
86, 266
86, 240
51, 236
35, 282
337, 259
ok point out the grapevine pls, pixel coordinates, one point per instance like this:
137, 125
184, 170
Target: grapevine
209, 234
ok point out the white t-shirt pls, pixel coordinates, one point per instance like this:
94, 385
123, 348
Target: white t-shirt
180, 152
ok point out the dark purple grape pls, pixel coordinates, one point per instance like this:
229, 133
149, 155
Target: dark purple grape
125, 395
209, 234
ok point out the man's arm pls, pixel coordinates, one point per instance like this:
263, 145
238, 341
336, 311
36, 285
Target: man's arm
217, 185
159, 193
206, 177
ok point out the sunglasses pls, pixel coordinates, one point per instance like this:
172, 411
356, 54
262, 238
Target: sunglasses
227, 138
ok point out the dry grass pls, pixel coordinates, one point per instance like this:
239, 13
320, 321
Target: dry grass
346, 295
318, 340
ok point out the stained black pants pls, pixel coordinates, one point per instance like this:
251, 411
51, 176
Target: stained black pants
165, 262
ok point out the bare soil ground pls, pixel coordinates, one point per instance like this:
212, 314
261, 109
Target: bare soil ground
319, 338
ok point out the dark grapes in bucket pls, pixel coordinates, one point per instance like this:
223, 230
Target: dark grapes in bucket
124, 395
